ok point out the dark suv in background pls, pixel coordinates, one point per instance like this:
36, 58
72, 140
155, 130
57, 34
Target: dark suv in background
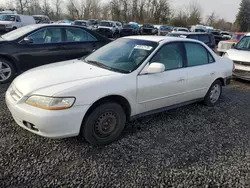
207, 38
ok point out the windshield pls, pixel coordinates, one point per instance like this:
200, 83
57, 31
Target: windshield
106, 24
237, 36
122, 55
182, 29
174, 34
13, 35
200, 30
243, 44
147, 26
93, 22
164, 28
127, 26
215, 33
5, 17
80, 23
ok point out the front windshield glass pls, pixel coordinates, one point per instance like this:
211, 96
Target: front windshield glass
237, 36
122, 55
165, 28
5, 17
13, 35
243, 44
106, 24
147, 26
127, 26
80, 23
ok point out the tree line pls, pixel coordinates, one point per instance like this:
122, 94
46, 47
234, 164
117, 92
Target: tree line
140, 11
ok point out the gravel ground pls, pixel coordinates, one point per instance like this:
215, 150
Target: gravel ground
193, 146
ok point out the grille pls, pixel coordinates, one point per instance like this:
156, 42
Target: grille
242, 63
2, 27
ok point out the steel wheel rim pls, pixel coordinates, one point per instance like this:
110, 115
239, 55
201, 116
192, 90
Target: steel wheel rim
106, 124
215, 93
5, 71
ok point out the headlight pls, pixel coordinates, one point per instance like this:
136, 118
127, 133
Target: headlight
51, 103
8, 26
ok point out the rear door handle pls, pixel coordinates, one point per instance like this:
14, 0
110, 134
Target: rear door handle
181, 80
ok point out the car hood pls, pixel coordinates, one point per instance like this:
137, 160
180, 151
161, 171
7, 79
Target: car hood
58, 73
5, 22
239, 55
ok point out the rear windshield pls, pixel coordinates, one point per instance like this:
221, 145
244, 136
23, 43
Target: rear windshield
106, 24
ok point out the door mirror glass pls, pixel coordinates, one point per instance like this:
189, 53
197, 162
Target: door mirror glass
155, 68
28, 40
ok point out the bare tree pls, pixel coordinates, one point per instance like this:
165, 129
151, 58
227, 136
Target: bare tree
58, 10
211, 19
22, 5
194, 13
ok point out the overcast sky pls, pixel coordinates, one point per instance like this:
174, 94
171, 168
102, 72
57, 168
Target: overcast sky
226, 9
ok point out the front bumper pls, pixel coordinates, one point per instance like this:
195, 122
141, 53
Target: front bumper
46, 123
242, 74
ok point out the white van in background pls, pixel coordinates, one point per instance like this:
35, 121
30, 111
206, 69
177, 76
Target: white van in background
9, 22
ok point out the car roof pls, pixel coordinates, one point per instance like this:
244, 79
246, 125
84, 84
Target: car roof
163, 39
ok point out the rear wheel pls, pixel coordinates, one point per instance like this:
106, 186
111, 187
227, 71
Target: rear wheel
213, 94
7, 71
104, 124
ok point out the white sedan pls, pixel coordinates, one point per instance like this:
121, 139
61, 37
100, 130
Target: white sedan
128, 78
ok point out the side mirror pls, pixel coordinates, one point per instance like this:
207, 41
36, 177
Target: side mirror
28, 40
155, 68
233, 45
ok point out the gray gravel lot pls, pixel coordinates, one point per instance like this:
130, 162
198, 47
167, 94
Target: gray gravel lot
193, 146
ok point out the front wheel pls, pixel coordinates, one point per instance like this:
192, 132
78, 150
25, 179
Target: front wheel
7, 71
104, 124
213, 94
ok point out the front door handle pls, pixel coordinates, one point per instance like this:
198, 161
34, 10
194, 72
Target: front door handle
181, 80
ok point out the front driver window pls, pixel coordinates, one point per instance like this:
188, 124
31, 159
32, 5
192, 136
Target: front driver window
170, 55
44, 36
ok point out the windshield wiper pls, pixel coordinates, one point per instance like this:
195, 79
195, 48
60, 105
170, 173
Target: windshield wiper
98, 64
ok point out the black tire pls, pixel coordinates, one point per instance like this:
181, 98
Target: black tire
6, 64
109, 117
14, 28
209, 100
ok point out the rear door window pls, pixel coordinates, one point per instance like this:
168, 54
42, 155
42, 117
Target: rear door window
78, 35
197, 54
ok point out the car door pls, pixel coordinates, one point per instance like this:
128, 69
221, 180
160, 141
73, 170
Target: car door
79, 42
45, 46
201, 70
168, 88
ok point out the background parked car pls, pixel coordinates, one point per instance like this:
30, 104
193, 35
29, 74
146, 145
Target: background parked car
223, 46
41, 19
82, 23
9, 22
180, 29
240, 54
108, 28
226, 35
118, 26
94, 24
40, 44
147, 29
218, 37
128, 30
206, 38
163, 30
